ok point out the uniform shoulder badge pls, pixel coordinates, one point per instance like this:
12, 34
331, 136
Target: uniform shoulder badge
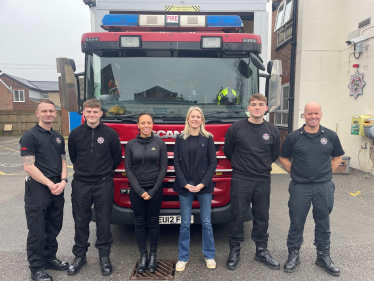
324, 141
100, 140
153, 148
266, 136
58, 140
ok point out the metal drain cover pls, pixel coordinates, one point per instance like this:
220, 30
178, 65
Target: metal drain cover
165, 271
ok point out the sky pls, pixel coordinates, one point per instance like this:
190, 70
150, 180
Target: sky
34, 33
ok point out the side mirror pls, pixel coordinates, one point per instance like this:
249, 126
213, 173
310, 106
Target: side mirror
273, 85
67, 84
257, 62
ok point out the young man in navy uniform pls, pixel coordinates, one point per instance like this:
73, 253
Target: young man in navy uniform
251, 145
95, 151
316, 152
44, 160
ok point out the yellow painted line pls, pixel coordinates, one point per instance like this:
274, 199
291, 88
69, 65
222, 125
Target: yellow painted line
14, 174
9, 149
277, 170
358, 193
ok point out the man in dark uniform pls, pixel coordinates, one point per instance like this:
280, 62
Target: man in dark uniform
316, 152
44, 160
251, 145
95, 151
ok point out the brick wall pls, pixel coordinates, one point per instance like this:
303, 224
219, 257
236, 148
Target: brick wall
282, 53
6, 98
27, 105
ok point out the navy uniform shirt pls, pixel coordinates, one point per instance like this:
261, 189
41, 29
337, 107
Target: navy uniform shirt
311, 154
47, 147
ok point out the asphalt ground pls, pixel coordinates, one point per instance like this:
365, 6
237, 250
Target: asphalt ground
352, 226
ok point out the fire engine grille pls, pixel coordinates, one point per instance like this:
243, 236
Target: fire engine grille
170, 147
165, 271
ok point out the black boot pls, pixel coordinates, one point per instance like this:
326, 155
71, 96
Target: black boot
142, 265
152, 266
234, 257
56, 264
76, 265
324, 260
41, 275
106, 266
293, 260
263, 255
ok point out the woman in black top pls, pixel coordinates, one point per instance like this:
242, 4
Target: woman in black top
195, 162
146, 164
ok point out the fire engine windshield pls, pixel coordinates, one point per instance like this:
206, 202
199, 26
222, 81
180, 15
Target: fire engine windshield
169, 86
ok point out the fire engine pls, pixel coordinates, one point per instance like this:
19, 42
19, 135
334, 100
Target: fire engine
164, 64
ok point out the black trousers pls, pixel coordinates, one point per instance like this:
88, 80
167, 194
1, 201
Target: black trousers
302, 195
147, 212
44, 214
245, 193
101, 195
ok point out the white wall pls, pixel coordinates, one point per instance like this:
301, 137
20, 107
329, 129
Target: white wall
324, 66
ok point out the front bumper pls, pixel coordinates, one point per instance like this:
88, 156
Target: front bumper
220, 215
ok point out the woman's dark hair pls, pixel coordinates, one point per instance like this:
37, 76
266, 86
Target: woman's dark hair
144, 113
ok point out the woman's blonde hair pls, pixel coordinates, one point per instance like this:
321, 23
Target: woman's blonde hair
186, 132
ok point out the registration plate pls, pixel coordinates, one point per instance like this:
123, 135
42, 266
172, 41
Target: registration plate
171, 219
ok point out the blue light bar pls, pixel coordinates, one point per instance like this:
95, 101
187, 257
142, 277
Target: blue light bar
224, 21
120, 20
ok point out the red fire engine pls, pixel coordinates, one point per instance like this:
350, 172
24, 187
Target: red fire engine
164, 64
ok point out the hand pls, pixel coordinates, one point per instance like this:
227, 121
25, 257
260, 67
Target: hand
190, 188
199, 187
145, 196
60, 188
52, 186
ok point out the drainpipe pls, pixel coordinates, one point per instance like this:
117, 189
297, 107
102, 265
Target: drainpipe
292, 70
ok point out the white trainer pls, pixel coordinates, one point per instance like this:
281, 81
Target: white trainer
180, 266
211, 263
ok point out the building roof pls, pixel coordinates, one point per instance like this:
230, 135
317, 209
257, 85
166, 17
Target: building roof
44, 86
47, 86
38, 101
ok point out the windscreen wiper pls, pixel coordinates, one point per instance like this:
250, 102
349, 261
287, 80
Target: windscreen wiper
136, 113
127, 115
223, 111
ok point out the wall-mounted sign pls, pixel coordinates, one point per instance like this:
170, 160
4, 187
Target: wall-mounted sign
356, 84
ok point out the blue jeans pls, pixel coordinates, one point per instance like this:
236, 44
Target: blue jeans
208, 246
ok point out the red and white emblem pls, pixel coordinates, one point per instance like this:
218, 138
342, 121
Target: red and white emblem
58, 140
266, 136
100, 140
324, 141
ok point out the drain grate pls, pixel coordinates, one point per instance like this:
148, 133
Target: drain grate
165, 271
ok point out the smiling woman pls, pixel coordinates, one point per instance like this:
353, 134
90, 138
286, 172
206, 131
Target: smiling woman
146, 164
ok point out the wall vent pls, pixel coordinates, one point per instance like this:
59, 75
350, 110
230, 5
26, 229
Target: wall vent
364, 23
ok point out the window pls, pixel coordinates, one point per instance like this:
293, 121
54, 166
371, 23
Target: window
281, 115
19, 95
284, 34
45, 96
284, 14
